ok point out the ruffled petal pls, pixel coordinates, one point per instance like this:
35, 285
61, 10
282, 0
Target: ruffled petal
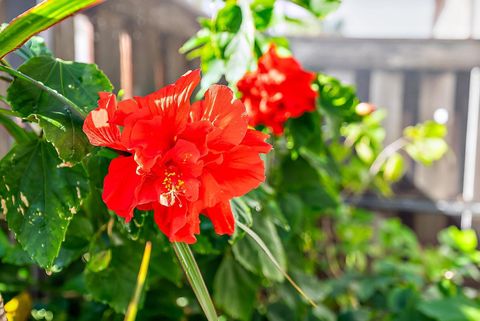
255, 140
185, 156
149, 139
98, 127
197, 134
178, 223
121, 186
241, 171
222, 218
226, 114
125, 108
210, 190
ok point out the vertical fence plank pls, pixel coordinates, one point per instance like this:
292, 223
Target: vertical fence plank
107, 28
160, 62
386, 92
362, 81
64, 40
126, 63
175, 62
437, 91
144, 61
411, 100
84, 37
459, 124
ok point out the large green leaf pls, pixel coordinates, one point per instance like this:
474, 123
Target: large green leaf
79, 82
452, 309
253, 258
115, 284
38, 18
234, 289
76, 241
39, 198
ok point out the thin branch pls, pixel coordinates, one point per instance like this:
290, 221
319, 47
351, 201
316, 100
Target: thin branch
385, 154
265, 249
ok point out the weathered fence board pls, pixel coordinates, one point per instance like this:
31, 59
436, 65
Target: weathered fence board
391, 54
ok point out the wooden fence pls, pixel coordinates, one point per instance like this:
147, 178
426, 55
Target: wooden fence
416, 80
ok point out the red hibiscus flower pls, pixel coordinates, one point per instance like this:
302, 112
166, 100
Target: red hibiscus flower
182, 159
278, 90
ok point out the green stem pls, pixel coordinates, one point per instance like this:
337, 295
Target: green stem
17, 132
272, 258
141, 277
194, 276
9, 112
17, 74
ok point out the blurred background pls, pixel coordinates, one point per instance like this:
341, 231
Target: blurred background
418, 59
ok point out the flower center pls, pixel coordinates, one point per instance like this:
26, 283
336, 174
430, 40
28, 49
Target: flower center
174, 186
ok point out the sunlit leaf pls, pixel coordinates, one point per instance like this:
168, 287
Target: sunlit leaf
38, 18
78, 82
40, 198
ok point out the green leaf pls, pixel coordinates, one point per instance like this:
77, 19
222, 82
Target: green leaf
364, 150
322, 313
34, 47
452, 309
234, 289
229, 18
428, 129
115, 284
241, 211
252, 257
320, 8
100, 261
76, 242
394, 168
15, 130
241, 48
78, 82
427, 150
279, 311
36, 19
40, 198
463, 240
201, 38
262, 11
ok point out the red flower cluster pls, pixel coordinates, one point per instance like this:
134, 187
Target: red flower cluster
278, 90
184, 159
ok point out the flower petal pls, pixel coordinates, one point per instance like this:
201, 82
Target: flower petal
222, 218
226, 114
241, 171
98, 127
121, 186
177, 222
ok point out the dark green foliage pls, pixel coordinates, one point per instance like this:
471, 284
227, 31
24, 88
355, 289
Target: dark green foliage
62, 126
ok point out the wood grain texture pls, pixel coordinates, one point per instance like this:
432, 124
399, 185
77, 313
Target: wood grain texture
390, 54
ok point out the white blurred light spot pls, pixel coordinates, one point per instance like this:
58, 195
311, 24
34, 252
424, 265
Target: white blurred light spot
182, 302
441, 116
449, 275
